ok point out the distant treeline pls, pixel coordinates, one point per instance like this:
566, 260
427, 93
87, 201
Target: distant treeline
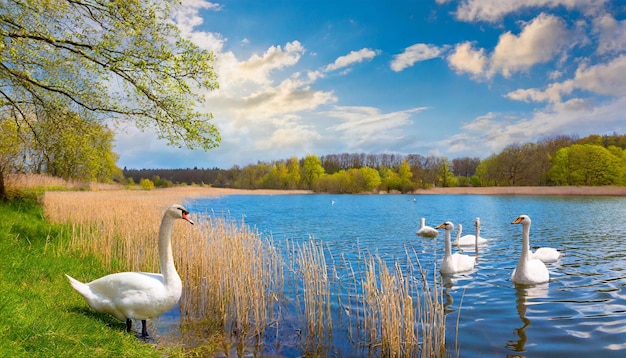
560, 160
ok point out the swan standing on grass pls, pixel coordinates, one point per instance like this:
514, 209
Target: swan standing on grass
426, 231
139, 295
529, 270
452, 264
469, 240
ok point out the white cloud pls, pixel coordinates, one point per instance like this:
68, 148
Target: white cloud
539, 42
258, 68
495, 10
466, 59
414, 53
611, 34
603, 79
493, 132
186, 17
365, 126
364, 54
291, 95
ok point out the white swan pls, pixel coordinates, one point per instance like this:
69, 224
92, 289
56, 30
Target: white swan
469, 240
529, 270
453, 263
426, 231
545, 254
139, 295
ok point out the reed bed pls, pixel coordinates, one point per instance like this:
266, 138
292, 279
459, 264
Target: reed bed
234, 277
32, 181
312, 271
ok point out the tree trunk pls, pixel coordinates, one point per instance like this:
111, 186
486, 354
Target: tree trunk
3, 190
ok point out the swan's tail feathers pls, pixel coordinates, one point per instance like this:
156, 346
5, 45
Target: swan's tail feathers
82, 288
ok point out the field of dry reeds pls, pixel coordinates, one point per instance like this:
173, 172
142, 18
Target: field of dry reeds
235, 280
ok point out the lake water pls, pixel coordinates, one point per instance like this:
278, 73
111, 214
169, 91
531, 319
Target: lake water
579, 313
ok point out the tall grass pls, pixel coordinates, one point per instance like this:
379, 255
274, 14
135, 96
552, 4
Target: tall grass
233, 276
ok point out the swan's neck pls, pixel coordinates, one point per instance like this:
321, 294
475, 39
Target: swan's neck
166, 259
422, 223
476, 239
448, 251
525, 242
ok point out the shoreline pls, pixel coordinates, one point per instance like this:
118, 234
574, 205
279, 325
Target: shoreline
617, 191
532, 190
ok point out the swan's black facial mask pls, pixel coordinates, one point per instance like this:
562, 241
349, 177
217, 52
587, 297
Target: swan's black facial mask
185, 215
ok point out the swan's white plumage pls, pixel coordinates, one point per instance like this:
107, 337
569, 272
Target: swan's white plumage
529, 270
546, 254
139, 295
456, 263
426, 231
469, 240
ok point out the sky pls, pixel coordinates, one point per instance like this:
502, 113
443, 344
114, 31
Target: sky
431, 77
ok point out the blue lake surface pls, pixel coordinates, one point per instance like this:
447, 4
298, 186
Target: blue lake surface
581, 312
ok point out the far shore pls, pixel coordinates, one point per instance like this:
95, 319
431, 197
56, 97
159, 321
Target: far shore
509, 190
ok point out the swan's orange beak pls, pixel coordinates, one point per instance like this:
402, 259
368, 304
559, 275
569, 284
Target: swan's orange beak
517, 221
441, 226
186, 217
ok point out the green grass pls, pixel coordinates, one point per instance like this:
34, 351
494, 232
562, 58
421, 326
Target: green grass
40, 314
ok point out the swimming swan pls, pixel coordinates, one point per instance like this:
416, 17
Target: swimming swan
529, 270
426, 231
469, 240
139, 295
453, 263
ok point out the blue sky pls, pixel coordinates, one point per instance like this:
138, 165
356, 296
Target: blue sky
430, 77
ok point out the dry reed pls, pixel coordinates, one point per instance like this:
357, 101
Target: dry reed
399, 307
313, 272
233, 276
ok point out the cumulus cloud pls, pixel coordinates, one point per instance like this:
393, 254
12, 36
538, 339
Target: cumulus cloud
415, 53
465, 59
611, 34
187, 18
603, 79
364, 54
495, 10
539, 42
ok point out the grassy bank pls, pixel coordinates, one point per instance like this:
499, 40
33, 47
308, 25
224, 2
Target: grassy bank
40, 315
229, 300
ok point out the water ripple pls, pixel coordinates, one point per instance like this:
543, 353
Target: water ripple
580, 313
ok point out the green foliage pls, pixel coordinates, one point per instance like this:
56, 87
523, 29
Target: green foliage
122, 60
311, 170
350, 181
587, 164
40, 314
446, 176
146, 184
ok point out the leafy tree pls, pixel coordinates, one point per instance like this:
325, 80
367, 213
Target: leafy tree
114, 60
146, 184
9, 151
311, 170
293, 173
366, 179
446, 176
406, 176
586, 164
390, 180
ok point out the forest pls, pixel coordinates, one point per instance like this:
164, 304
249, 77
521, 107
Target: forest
559, 160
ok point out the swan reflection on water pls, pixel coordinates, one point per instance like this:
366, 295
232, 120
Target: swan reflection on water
525, 295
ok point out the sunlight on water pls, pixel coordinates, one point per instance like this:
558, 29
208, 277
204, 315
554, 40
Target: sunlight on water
579, 313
